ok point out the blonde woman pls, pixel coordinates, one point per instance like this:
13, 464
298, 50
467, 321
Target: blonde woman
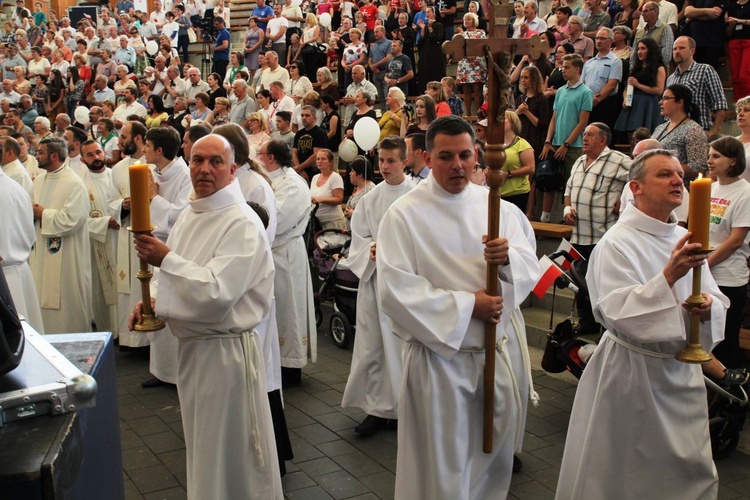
519, 163
258, 127
21, 84
472, 71
310, 52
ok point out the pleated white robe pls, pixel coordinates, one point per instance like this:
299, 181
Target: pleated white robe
216, 283
639, 425
430, 263
166, 207
16, 171
255, 188
103, 240
61, 260
375, 376
18, 237
295, 309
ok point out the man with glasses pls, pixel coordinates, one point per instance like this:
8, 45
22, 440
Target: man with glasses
653, 27
602, 76
244, 106
597, 19
583, 45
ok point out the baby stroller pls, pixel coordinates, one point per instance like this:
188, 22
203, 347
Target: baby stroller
338, 284
565, 350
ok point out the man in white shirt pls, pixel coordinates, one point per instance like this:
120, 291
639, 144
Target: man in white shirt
276, 33
358, 84
74, 137
174, 85
101, 92
158, 16
12, 166
130, 107
274, 72
194, 86
531, 21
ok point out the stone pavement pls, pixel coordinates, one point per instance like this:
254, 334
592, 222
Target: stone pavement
331, 461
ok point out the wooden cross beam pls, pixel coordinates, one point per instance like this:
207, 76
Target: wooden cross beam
498, 50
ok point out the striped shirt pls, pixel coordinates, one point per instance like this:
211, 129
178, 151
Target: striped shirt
705, 84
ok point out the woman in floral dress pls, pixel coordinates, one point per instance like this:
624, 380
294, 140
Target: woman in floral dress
472, 71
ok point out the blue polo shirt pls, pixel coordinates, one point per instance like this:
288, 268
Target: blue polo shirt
380, 49
598, 70
261, 12
569, 102
222, 55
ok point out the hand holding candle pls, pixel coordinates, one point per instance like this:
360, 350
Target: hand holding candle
700, 210
140, 205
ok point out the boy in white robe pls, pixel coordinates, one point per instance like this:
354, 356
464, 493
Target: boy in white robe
639, 424
17, 221
431, 264
214, 284
61, 260
168, 192
375, 376
295, 311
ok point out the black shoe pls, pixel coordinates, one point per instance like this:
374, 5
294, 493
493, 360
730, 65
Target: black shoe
291, 377
517, 464
153, 382
371, 425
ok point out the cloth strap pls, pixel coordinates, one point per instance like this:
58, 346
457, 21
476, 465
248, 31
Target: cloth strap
252, 367
634, 348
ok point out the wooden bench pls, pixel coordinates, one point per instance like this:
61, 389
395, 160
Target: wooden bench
550, 230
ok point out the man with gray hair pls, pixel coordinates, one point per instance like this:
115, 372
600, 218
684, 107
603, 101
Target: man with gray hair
592, 199
358, 83
194, 86
639, 278
653, 27
174, 87
101, 92
244, 106
233, 284
602, 75
583, 45
307, 142
531, 21
61, 259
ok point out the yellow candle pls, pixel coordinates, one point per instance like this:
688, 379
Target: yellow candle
140, 205
700, 210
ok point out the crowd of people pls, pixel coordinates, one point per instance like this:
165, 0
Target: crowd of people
82, 104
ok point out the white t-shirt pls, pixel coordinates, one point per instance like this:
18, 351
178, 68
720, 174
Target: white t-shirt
292, 11
730, 208
274, 26
327, 212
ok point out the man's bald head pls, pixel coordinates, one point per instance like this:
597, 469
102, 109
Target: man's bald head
645, 145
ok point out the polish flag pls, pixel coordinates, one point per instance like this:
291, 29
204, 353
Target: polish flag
562, 261
550, 272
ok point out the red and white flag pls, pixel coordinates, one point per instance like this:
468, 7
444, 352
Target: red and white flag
550, 272
561, 260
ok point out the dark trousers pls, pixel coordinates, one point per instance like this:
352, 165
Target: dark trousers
220, 67
583, 302
607, 111
728, 351
183, 41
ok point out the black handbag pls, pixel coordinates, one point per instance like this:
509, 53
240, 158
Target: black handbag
549, 175
11, 330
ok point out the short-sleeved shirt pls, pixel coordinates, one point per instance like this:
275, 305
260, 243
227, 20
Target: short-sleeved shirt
596, 21
379, 50
569, 102
327, 212
305, 142
708, 93
584, 46
222, 55
519, 184
371, 14
260, 13
445, 5
398, 67
600, 69
730, 208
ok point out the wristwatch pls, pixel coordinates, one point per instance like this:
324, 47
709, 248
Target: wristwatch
566, 144
510, 174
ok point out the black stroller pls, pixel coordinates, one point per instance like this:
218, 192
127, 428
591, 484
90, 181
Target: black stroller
338, 284
727, 408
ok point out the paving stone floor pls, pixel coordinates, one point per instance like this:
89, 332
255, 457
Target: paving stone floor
331, 461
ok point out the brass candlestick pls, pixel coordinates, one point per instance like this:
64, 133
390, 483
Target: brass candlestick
149, 322
693, 352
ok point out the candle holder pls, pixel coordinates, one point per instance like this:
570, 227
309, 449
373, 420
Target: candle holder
149, 322
693, 352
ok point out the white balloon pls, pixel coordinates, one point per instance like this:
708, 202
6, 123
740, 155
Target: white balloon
366, 133
152, 47
81, 115
348, 150
325, 20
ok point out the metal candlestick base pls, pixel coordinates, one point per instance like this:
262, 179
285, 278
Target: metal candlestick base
693, 352
149, 322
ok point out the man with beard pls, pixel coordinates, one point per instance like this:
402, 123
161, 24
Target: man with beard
131, 143
130, 107
61, 259
12, 167
103, 232
74, 137
168, 192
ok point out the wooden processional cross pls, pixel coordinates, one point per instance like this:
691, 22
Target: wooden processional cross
498, 50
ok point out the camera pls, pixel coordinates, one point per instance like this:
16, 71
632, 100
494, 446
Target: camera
408, 108
208, 31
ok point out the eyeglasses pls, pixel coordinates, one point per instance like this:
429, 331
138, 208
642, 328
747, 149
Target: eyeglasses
292, 67
648, 10
262, 153
602, 38
667, 98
